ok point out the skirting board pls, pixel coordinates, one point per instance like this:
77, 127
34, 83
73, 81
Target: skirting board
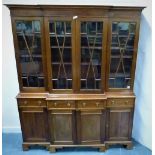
11, 129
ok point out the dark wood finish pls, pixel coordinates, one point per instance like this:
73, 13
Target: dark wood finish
119, 124
75, 117
33, 117
17, 51
90, 126
62, 126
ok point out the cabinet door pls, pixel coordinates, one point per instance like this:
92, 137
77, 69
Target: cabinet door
119, 124
123, 43
34, 124
91, 49
62, 126
60, 47
91, 125
30, 53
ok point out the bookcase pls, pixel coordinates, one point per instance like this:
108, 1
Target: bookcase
76, 67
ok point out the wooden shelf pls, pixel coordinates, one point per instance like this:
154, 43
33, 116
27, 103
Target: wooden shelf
86, 79
28, 34
120, 35
61, 47
60, 35
125, 56
26, 55
58, 63
113, 75
90, 47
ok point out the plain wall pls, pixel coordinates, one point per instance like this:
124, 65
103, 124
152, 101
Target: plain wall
142, 118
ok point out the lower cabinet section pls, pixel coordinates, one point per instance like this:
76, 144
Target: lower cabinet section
33, 118
57, 124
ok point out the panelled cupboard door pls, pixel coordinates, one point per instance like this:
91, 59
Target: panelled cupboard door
62, 126
30, 53
119, 124
91, 35
90, 124
122, 49
34, 124
60, 47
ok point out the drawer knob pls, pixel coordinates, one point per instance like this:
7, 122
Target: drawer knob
97, 104
84, 104
25, 102
126, 102
68, 104
113, 102
39, 102
55, 104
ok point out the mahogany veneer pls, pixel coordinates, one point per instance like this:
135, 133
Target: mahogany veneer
76, 68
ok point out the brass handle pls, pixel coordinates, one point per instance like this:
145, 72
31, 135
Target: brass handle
84, 104
55, 104
113, 102
126, 102
39, 102
68, 104
25, 102
97, 104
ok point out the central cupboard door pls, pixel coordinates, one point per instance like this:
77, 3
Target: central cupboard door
91, 46
90, 122
62, 122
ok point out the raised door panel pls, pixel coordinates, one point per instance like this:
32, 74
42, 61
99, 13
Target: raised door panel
62, 126
30, 53
119, 124
34, 124
91, 49
90, 127
123, 42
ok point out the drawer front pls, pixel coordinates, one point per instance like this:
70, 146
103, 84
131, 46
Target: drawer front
31, 103
61, 104
94, 104
119, 102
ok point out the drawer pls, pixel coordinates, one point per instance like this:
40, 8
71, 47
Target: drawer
119, 102
61, 104
31, 103
93, 104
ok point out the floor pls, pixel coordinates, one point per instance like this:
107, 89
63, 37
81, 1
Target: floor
12, 146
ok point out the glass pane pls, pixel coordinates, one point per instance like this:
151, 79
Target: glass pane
122, 47
61, 56
91, 53
29, 42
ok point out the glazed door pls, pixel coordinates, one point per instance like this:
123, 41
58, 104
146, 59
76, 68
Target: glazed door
60, 47
30, 53
119, 124
91, 50
122, 53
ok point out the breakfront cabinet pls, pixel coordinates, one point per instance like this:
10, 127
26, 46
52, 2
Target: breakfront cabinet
76, 68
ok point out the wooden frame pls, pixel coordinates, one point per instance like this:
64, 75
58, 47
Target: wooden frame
29, 89
46, 21
108, 111
103, 59
134, 52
